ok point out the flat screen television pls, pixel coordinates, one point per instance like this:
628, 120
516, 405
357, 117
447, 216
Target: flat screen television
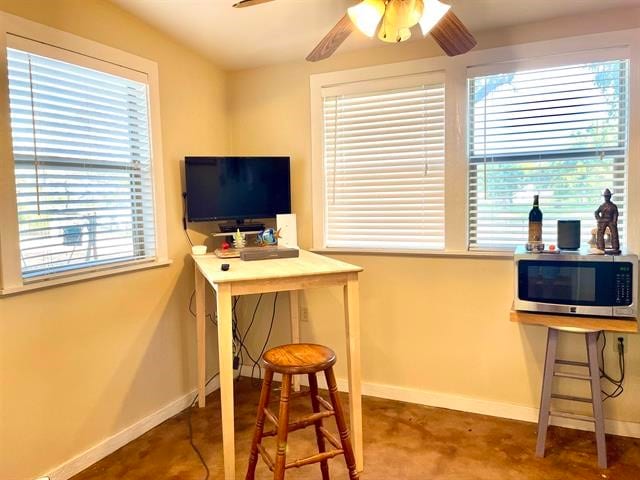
237, 188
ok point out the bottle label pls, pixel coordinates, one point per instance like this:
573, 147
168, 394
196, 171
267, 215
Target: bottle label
535, 231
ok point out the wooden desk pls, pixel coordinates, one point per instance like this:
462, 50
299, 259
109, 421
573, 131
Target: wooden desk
291, 274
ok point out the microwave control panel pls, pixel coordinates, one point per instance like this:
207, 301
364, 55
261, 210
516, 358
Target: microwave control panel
624, 274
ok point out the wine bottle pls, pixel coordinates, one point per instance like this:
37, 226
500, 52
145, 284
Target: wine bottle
535, 222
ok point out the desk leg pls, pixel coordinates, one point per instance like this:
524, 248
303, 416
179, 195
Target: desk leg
352, 319
294, 311
201, 319
225, 349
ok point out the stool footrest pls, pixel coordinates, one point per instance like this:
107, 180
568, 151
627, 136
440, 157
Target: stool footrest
572, 416
575, 376
266, 457
571, 398
300, 424
330, 437
317, 458
571, 362
271, 416
326, 405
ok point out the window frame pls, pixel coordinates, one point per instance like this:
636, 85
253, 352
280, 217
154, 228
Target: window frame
16, 32
457, 70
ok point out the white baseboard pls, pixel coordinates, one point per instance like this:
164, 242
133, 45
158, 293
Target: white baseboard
391, 392
471, 405
120, 439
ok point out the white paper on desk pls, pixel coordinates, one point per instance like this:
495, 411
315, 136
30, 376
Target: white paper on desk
287, 225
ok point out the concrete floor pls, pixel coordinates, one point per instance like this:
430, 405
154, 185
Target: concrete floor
402, 441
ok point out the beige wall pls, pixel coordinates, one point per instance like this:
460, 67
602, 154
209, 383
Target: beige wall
436, 324
79, 363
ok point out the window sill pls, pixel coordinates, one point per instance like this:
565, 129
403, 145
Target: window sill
79, 277
491, 254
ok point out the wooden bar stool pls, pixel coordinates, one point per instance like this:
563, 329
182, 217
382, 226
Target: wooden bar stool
300, 359
593, 377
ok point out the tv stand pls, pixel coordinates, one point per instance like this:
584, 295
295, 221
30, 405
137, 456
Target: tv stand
232, 227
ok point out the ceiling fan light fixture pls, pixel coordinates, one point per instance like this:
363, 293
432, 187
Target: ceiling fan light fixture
366, 15
403, 13
433, 12
392, 34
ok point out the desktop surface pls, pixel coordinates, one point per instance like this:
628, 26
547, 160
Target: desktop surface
239, 270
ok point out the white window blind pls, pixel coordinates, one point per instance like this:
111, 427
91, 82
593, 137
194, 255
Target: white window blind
82, 166
384, 169
558, 132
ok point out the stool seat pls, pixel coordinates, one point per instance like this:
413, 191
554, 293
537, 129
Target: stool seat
299, 358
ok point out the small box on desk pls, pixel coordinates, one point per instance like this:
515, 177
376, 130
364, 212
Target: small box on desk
268, 253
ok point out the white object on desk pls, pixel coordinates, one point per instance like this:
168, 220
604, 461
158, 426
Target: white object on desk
287, 225
309, 270
199, 249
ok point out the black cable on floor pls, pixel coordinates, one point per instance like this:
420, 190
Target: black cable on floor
191, 442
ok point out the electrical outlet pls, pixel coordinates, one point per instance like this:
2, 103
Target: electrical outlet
614, 342
304, 314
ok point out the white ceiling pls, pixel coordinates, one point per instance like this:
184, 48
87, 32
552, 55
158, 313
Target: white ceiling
287, 30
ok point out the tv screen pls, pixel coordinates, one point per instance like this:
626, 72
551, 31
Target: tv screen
227, 188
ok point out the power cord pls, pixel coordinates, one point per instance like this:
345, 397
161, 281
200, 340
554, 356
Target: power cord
191, 442
184, 217
617, 383
242, 345
239, 348
193, 293
256, 363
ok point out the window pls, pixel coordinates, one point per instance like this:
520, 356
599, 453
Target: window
82, 165
443, 155
83, 195
558, 132
383, 161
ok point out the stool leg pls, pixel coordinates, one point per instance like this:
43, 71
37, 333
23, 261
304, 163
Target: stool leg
547, 384
342, 424
596, 397
313, 387
283, 428
265, 393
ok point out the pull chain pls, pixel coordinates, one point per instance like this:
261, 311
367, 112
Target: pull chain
335, 151
425, 145
35, 147
486, 93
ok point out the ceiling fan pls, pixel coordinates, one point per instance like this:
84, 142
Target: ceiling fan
392, 20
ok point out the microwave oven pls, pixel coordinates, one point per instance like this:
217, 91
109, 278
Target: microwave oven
576, 283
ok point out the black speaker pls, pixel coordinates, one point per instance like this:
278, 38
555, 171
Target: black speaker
568, 234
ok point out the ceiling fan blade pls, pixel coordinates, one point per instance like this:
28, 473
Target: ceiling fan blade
332, 40
452, 36
249, 3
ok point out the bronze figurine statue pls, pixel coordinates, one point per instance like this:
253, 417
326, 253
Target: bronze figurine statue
607, 217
